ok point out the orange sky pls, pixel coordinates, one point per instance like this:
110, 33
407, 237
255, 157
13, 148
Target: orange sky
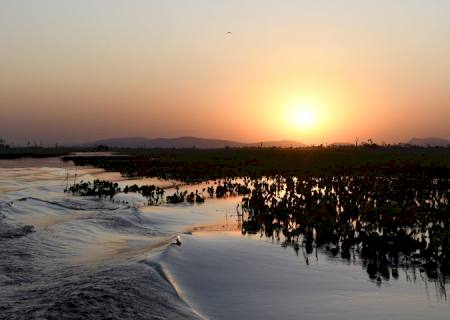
83, 70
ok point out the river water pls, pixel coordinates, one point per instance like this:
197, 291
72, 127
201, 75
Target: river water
65, 257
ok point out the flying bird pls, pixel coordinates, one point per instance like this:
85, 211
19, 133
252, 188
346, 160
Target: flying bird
229, 32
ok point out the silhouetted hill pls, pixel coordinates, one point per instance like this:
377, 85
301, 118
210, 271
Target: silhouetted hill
188, 142
432, 142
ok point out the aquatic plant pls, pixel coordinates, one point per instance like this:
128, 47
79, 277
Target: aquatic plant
107, 189
97, 188
384, 217
388, 205
197, 165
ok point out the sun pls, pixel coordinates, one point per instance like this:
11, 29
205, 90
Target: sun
303, 116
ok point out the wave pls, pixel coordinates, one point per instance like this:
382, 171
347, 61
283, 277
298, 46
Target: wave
90, 267
70, 207
8, 232
63, 257
129, 291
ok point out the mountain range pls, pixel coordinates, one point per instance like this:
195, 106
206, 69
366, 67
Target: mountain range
188, 142
429, 142
204, 143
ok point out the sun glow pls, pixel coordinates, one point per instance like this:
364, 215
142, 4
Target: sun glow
303, 115
306, 115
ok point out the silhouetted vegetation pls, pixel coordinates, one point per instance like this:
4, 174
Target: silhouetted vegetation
390, 219
3, 145
203, 165
98, 188
154, 194
107, 189
388, 205
36, 151
8, 152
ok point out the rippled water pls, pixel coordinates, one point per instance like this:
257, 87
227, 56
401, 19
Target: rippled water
86, 258
64, 257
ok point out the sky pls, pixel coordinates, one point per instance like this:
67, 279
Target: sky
315, 71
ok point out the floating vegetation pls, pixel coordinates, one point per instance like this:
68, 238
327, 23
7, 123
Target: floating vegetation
107, 189
98, 188
387, 219
389, 206
194, 165
154, 194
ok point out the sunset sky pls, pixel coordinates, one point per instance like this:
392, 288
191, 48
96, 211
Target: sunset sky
314, 71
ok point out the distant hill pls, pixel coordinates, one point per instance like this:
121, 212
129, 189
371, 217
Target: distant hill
431, 142
188, 142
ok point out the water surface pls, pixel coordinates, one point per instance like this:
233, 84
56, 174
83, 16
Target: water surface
65, 257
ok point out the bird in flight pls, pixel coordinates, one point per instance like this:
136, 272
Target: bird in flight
229, 32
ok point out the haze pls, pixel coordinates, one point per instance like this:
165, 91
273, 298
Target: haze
83, 70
